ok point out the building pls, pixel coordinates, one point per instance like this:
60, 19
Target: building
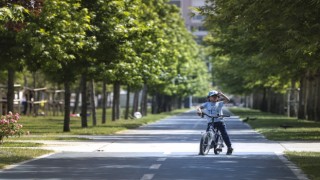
194, 24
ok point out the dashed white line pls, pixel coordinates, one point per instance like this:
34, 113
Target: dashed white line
155, 166
161, 159
147, 177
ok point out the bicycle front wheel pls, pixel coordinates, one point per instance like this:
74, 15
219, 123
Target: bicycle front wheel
204, 144
218, 145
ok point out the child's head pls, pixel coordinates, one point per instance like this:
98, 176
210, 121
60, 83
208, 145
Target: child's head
213, 96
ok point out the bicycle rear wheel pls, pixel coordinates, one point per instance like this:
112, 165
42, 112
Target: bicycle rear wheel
204, 146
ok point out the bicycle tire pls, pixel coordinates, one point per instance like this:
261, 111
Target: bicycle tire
218, 146
204, 146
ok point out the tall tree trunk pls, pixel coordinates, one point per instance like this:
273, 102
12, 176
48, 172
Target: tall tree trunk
10, 92
264, 104
104, 101
84, 107
116, 103
67, 95
76, 102
293, 99
160, 103
154, 105
169, 103
301, 112
135, 105
310, 104
317, 97
144, 100
92, 102
127, 103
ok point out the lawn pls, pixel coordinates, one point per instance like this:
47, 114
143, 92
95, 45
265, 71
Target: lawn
15, 155
17, 149
47, 126
309, 162
279, 127
272, 127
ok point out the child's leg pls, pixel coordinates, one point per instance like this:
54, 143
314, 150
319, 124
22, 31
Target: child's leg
223, 130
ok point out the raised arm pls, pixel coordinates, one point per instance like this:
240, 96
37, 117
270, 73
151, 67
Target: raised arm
225, 98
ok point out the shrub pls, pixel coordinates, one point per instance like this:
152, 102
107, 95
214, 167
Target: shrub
9, 126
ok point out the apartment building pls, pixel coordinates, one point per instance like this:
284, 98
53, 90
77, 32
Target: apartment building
194, 24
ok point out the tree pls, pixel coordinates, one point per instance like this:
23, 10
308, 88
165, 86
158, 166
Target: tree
269, 44
57, 37
11, 51
178, 58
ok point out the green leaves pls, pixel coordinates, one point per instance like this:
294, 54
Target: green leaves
14, 13
58, 37
267, 42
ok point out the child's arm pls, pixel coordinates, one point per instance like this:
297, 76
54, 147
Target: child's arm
199, 110
225, 98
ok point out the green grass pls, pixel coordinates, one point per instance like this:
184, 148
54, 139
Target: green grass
10, 156
309, 162
47, 137
269, 125
51, 128
44, 127
20, 144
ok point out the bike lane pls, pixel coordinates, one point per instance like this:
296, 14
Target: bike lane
165, 150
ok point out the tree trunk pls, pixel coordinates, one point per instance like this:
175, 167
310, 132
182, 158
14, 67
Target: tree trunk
264, 104
144, 100
154, 104
76, 102
169, 103
317, 97
301, 112
67, 95
104, 101
92, 102
10, 92
116, 103
310, 103
84, 107
127, 103
135, 105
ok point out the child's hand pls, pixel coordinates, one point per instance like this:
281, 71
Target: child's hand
199, 112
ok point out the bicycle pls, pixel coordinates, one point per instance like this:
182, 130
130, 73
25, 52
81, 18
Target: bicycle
212, 138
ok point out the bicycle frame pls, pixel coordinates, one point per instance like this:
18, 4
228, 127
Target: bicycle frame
212, 138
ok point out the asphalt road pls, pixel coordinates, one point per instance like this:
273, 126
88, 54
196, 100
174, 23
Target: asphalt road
165, 150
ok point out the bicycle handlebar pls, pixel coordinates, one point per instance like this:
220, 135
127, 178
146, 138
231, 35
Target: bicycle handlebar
202, 113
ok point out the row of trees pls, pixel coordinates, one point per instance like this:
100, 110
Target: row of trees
142, 44
265, 48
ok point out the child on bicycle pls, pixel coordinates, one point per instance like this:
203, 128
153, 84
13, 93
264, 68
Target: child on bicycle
214, 108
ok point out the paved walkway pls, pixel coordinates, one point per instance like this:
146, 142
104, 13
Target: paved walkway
89, 146
172, 141
95, 144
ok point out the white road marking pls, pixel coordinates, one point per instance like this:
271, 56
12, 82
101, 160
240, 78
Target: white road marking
147, 177
155, 166
161, 159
